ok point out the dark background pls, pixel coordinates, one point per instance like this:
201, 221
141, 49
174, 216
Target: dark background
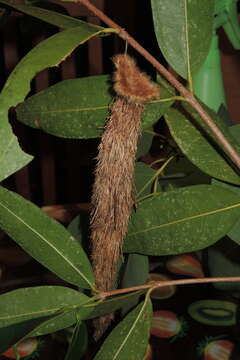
62, 170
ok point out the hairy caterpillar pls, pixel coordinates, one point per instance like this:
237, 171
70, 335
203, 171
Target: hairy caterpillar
113, 196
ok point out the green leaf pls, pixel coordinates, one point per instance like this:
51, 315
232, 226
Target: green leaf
12, 158
234, 233
235, 131
223, 113
51, 17
75, 230
78, 343
129, 339
64, 319
80, 229
136, 270
170, 89
108, 306
144, 179
44, 239
37, 302
60, 321
180, 221
144, 144
223, 261
78, 108
184, 30
135, 273
181, 172
12, 334
48, 53
199, 145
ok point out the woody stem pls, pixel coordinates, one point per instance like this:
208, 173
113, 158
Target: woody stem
158, 284
229, 149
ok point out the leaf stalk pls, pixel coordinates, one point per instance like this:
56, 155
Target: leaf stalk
188, 95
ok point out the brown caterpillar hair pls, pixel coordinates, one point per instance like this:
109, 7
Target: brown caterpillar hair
112, 197
130, 83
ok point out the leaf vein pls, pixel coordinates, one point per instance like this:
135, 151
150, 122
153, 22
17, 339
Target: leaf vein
187, 219
47, 242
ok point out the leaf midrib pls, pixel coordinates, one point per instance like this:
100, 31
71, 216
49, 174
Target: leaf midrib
105, 107
186, 219
24, 8
49, 244
131, 329
46, 312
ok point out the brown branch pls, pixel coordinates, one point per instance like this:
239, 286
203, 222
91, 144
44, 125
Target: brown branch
168, 76
158, 284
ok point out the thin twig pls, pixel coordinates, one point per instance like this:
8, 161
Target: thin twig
168, 76
157, 173
158, 284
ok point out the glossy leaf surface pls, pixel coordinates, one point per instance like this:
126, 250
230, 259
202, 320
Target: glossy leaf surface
51, 17
78, 342
136, 270
144, 144
135, 273
184, 30
129, 339
48, 53
234, 232
78, 108
60, 321
109, 305
199, 145
44, 239
145, 177
181, 221
223, 260
235, 131
182, 172
10, 335
36, 302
